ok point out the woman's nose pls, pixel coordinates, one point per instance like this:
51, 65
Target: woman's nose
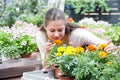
56, 34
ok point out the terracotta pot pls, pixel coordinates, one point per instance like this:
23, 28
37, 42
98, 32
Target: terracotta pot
57, 71
25, 55
66, 78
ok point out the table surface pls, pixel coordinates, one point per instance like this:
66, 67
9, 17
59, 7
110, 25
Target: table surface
19, 63
38, 75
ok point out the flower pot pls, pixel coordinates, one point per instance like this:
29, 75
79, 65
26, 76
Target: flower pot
57, 73
66, 78
25, 55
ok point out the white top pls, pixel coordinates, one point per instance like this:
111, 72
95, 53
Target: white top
78, 37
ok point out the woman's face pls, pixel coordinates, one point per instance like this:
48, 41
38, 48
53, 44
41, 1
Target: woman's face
55, 30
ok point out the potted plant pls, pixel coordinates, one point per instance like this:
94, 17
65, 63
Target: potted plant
26, 44
96, 64
22, 35
10, 52
66, 59
83, 6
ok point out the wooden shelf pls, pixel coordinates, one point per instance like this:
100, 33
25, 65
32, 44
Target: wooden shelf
13, 68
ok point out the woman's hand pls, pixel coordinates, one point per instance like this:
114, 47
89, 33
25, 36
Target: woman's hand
109, 46
49, 45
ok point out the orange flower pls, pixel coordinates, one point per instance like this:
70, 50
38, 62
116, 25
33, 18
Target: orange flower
58, 42
70, 19
79, 49
102, 46
83, 26
91, 48
102, 54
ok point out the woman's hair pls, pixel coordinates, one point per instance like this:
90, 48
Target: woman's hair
55, 14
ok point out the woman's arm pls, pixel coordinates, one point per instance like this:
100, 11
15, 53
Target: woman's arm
44, 45
41, 40
81, 37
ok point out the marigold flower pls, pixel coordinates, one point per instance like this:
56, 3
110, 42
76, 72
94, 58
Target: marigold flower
58, 42
102, 54
58, 54
109, 63
83, 26
61, 49
68, 52
102, 46
70, 19
91, 48
79, 49
70, 48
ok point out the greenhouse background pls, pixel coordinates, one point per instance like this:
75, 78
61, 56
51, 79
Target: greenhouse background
21, 19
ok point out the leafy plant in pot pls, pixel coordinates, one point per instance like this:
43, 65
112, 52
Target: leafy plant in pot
66, 58
10, 52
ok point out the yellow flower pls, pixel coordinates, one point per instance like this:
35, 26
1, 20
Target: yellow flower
58, 54
102, 46
91, 48
68, 52
58, 42
109, 63
102, 54
61, 49
79, 49
70, 48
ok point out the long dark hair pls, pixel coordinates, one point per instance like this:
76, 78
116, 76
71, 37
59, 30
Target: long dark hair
54, 14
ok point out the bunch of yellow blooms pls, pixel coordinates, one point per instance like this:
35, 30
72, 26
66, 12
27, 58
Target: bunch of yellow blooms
80, 63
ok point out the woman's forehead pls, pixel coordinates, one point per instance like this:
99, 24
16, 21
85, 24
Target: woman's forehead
58, 23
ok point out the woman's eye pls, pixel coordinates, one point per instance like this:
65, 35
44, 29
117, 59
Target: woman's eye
60, 30
52, 30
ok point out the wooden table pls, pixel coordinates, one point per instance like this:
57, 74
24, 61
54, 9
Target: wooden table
14, 68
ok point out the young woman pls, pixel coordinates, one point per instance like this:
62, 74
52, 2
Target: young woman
55, 27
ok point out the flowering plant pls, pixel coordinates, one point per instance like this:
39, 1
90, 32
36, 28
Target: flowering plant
21, 35
96, 64
65, 57
93, 63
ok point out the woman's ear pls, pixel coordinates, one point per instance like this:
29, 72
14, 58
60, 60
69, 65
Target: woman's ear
44, 27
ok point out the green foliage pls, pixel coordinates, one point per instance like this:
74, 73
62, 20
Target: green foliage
67, 64
52, 59
89, 68
5, 39
92, 64
114, 33
12, 11
11, 52
36, 19
83, 6
24, 44
20, 37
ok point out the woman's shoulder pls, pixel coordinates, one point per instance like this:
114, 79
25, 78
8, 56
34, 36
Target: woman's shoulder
41, 35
